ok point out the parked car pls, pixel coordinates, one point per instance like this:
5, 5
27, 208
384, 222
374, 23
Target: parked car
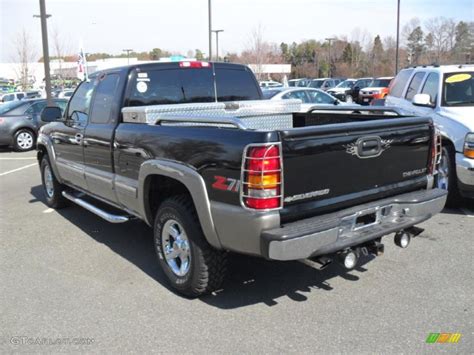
378, 89
20, 121
446, 94
342, 90
270, 84
13, 96
209, 178
361, 83
309, 97
323, 83
302, 82
34, 94
65, 94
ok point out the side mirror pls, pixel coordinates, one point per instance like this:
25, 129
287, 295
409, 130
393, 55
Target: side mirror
423, 100
51, 114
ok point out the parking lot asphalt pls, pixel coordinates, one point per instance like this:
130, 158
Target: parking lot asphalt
72, 282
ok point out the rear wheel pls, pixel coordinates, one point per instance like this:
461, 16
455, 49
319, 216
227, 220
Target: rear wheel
52, 188
190, 264
446, 178
23, 140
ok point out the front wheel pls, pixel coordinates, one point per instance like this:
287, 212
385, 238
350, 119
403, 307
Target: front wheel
190, 264
446, 178
52, 188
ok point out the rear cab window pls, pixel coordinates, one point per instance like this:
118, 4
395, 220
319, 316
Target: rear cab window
235, 84
175, 85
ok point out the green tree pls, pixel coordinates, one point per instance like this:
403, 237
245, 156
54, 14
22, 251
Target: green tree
199, 55
347, 54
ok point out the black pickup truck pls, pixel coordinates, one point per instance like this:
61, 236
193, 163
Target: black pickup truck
193, 150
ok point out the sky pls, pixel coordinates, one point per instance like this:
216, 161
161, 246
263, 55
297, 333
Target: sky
182, 25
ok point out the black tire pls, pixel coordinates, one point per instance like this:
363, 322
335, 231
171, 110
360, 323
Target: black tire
447, 180
207, 265
24, 140
54, 198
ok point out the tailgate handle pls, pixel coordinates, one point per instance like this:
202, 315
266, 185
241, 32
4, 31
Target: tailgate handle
369, 147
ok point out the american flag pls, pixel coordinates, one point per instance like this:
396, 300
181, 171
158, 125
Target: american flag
81, 65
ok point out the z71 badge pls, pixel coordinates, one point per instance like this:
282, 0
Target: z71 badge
226, 184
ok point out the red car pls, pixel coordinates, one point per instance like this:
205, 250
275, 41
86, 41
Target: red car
378, 89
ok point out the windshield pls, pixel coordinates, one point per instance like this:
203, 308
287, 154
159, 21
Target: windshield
4, 108
268, 94
346, 84
380, 83
458, 89
316, 83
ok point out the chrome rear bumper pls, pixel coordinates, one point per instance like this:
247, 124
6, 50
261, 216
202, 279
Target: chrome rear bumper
350, 227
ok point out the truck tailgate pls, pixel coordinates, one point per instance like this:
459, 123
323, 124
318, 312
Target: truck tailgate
338, 165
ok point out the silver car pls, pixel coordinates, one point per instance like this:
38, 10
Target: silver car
309, 97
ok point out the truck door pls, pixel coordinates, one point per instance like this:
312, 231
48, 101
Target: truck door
68, 138
98, 137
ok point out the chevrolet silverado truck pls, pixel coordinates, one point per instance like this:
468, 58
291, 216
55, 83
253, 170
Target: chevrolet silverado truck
191, 149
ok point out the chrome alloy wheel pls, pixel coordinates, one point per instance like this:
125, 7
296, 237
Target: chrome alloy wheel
25, 140
48, 181
443, 173
176, 248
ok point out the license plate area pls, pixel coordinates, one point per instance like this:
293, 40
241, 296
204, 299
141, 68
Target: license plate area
361, 220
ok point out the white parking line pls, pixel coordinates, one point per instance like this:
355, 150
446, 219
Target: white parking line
15, 170
48, 210
19, 158
467, 212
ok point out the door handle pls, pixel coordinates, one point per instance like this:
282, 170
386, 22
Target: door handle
78, 138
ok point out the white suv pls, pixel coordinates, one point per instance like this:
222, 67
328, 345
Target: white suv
445, 93
14, 96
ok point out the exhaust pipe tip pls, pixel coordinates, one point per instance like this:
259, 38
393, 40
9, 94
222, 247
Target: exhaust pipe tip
402, 239
349, 259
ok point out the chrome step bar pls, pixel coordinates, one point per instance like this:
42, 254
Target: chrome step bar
112, 218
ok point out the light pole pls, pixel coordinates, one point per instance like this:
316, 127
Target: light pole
44, 34
330, 40
128, 50
398, 37
210, 30
217, 43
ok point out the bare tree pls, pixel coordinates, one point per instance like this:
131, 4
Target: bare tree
61, 49
260, 52
441, 36
25, 53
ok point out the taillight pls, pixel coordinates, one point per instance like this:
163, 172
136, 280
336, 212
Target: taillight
435, 152
262, 177
194, 64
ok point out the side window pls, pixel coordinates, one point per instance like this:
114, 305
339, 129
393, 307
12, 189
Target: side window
398, 84
414, 85
80, 102
20, 96
317, 97
431, 87
103, 99
62, 105
36, 108
297, 95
